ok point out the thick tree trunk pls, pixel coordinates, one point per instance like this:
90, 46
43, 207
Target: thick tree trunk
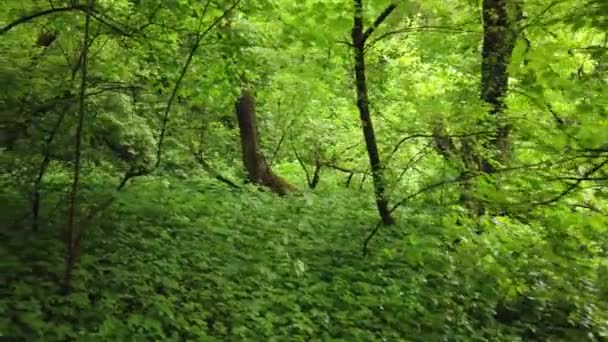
499, 38
358, 38
258, 170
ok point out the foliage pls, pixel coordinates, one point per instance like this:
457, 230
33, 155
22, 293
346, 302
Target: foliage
177, 246
192, 260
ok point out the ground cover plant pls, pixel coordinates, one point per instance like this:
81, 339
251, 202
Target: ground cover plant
316, 170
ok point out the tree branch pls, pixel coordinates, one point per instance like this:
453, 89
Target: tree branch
303, 165
211, 171
74, 7
574, 185
423, 29
33, 16
370, 30
407, 198
200, 36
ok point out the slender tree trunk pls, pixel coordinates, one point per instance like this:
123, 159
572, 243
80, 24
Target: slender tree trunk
258, 170
358, 39
71, 240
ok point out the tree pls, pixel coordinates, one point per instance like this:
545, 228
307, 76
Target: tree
359, 38
255, 163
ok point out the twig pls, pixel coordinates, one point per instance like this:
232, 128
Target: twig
429, 135
415, 159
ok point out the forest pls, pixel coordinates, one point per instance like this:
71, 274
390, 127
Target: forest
311, 170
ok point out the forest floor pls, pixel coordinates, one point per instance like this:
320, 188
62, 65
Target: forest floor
194, 260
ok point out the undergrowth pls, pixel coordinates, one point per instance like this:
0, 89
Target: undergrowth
191, 260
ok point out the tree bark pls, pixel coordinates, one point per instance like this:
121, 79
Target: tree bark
358, 39
258, 170
499, 37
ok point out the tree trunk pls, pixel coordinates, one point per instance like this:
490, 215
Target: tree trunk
258, 170
358, 38
499, 38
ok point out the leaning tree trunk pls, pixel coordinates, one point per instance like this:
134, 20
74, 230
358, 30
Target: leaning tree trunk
258, 170
359, 37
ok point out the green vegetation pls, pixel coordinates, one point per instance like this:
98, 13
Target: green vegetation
281, 170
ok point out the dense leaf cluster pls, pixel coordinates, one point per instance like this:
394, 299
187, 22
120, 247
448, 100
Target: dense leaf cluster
126, 212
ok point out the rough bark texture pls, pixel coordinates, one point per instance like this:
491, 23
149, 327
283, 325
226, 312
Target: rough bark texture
358, 38
499, 38
258, 170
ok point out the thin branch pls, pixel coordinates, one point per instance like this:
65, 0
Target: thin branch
590, 207
556, 117
370, 30
74, 7
198, 155
46, 159
276, 150
349, 179
423, 29
199, 38
430, 187
86, 222
303, 165
407, 198
344, 169
574, 178
430, 135
370, 236
280, 144
33, 16
415, 159
316, 176
574, 185
540, 15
